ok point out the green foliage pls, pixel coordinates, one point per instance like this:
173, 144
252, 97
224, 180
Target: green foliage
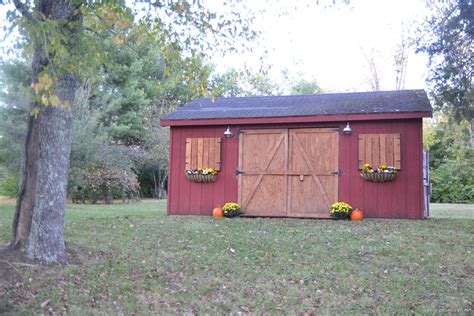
451, 141
451, 167
235, 83
134, 62
93, 155
137, 80
227, 84
9, 186
306, 87
102, 34
453, 182
448, 39
15, 96
429, 134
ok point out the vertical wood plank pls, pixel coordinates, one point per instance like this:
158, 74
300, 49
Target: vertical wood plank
376, 150
188, 154
200, 151
361, 152
286, 165
228, 160
206, 202
226, 175
194, 153
412, 167
390, 158
396, 152
205, 152
370, 189
383, 191
337, 164
218, 142
399, 190
356, 183
184, 185
173, 171
240, 167
212, 153
368, 149
383, 149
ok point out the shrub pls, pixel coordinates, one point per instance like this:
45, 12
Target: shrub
106, 183
453, 182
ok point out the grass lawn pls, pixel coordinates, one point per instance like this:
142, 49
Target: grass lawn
135, 259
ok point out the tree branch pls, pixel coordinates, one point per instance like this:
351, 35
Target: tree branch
111, 32
23, 9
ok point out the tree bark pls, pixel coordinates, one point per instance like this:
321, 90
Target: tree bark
108, 198
156, 193
162, 188
38, 224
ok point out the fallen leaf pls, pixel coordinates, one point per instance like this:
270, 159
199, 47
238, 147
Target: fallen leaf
45, 303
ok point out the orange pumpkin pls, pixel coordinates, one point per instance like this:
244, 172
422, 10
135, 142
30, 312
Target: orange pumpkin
357, 215
217, 212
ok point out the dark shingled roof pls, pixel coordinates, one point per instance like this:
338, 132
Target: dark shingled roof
401, 101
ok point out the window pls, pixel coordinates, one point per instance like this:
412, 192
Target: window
379, 149
203, 153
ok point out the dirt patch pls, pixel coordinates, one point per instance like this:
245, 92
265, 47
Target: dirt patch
11, 282
8, 272
15, 285
12, 201
7, 201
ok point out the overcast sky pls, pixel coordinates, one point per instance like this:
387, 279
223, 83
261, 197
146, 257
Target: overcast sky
315, 42
328, 43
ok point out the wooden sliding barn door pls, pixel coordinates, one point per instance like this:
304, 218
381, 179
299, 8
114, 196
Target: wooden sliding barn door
263, 160
313, 176
288, 172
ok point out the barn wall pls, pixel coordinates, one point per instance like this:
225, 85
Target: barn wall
188, 198
402, 198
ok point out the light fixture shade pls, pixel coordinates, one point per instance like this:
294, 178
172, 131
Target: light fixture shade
228, 133
347, 130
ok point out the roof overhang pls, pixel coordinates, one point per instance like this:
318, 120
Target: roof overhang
297, 119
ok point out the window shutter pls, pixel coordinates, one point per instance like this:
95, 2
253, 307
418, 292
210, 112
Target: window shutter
379, 149
203, 153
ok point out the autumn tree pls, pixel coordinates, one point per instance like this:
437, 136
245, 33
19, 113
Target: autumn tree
448, 39
62, 34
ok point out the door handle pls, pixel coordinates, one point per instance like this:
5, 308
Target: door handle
301, 177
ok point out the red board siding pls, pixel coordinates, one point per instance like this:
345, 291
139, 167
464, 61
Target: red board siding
187, 198
401, 198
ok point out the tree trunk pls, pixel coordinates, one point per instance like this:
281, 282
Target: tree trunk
156, 193
108, 199
472, 133
26, 195
38, 224
162, 189
46, 239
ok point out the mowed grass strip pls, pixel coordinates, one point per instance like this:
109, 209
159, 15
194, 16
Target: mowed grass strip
136, 259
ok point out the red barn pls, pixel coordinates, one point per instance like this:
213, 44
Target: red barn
293, 156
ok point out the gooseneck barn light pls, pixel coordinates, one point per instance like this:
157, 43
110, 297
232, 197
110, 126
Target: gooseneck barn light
347, 130
228, 133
